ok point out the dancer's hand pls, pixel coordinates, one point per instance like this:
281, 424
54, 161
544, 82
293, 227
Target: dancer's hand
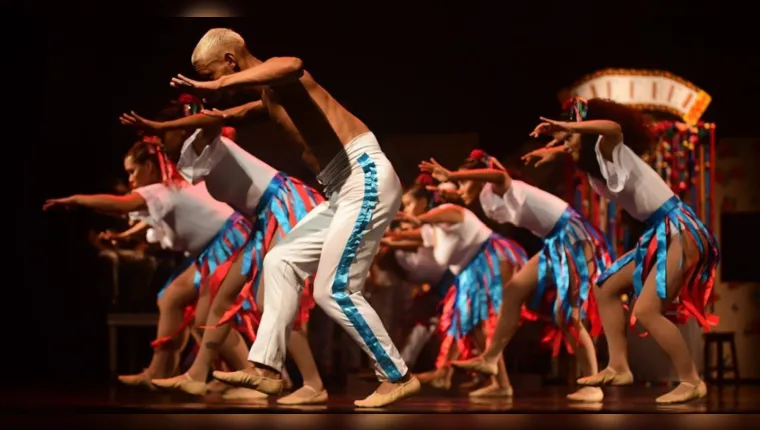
550, 127
401, 216
62, 203
559, 138
185, 83
541, 156
109, 236
134, 120
440, 173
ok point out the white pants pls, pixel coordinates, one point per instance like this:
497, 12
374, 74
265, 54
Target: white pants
338, 241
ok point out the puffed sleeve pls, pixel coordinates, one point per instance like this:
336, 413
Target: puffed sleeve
616, 172
194, 166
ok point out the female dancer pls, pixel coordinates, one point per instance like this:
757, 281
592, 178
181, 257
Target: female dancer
274, 202
675, 258
481, 261
558, 277
164, 200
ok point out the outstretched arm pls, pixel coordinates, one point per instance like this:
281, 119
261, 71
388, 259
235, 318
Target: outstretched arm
402, 244
137, 228
100, 202
277, 70
447, 214
611, 132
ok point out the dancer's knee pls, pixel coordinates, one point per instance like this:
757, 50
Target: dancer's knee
277, 263
646, 312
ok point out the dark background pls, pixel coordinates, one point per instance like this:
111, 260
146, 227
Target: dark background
437, 69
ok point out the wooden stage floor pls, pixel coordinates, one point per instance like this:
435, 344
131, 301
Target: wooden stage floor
130, 408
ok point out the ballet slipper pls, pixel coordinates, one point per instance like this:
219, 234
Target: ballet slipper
182, 383
607, 377
304, 396
469, 385
492, 391
218, 387
683, 393
377, 400
252, 379
477, 364
239, 393
587, 395
139, 380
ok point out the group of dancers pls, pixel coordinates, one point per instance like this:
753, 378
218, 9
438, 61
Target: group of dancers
263, 247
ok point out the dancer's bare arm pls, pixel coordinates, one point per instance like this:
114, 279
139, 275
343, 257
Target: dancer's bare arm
611, 132
447, 214
274, 71
100, 202
402, 244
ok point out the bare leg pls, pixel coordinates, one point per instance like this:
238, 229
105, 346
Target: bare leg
213, 338
312, 390
648, 310
515, 293
194, 381
171, 305
614, 322
499, 385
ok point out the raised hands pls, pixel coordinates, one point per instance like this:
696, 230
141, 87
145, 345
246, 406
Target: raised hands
550, 127
185, 83
440, 173
134, 120
541, 156
62, 203
401, 216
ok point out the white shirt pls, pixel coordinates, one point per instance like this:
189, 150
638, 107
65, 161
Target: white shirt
420, 266
232, 175
524, 206
183, 218
630, 182
456, 244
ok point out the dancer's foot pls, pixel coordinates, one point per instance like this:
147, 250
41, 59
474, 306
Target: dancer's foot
492, 391
608, 376
239, 393
182, 383
587, 395
477, 364
305, 395
390, 392
469, 385
426, 377
442, 379
217, 387
253, 378
139, 380
684, 392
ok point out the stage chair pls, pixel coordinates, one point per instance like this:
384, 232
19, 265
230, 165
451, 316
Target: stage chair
720, 368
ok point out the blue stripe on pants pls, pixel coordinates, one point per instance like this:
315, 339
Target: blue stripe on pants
340, 283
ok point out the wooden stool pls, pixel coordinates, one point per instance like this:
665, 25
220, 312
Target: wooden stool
720, 369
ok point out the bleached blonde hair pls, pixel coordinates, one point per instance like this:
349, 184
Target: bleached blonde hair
216, 40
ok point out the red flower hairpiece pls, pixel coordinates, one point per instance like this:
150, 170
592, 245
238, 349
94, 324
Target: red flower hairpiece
478, 154
189, 99
424, 179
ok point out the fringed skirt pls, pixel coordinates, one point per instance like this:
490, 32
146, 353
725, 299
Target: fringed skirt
475, 296
651, 252
211, 267
566, 277
285, 202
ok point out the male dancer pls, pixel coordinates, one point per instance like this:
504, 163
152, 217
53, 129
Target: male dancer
338, 239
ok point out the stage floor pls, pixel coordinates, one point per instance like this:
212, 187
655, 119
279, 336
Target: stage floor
548, 400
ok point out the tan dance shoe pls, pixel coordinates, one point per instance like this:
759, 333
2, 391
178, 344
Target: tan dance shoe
492, 391
304, 396
607, 377
587, 395
182, 383
242, 394
377, 400
250, 379
138, 380
477, 364
683, 393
